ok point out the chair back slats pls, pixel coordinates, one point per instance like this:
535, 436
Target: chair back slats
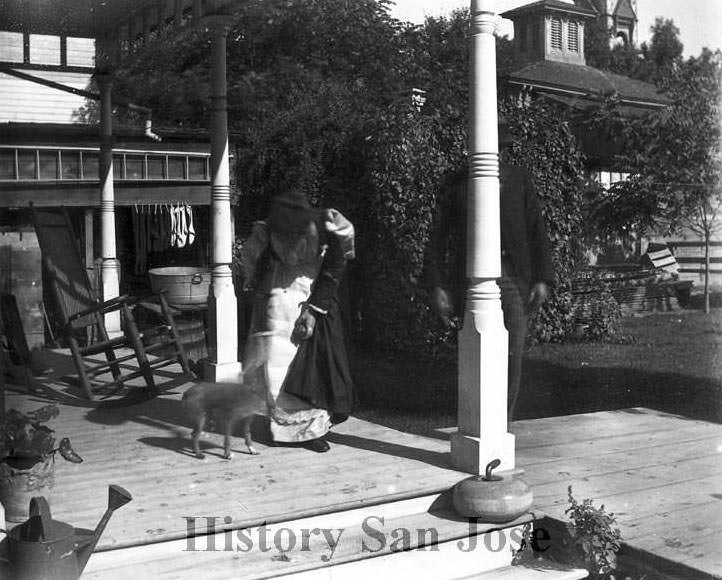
61, 257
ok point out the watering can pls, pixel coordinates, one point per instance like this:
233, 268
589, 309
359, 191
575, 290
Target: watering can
45, 549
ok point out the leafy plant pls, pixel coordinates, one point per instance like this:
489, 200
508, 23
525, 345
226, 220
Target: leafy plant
25, 440
589, 540
594, 541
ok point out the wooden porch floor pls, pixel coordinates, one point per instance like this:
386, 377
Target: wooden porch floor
660, 474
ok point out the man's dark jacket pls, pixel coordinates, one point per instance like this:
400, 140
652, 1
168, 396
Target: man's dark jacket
525, 244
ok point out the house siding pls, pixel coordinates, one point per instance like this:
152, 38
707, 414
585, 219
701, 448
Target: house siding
25, 101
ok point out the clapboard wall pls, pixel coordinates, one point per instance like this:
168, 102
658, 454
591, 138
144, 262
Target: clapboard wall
25, 101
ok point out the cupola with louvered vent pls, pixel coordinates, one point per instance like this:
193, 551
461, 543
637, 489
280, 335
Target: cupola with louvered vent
550, 30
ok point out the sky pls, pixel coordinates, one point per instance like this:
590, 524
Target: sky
699, 21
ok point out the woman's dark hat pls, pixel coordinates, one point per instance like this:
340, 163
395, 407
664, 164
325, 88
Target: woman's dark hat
291, 213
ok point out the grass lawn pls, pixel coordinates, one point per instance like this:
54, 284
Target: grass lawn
667, 361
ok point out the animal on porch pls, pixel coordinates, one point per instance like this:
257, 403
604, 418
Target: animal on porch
227, 403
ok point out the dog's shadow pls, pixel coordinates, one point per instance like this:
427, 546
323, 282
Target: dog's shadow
211, 443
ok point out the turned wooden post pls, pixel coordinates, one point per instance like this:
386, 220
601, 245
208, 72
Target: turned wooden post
110, 267
483, 343
224, 365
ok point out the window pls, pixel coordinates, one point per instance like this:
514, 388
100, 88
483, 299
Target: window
11, 46
118, 167
573, 37
156, 167
44, 49
176, 167
19, 163
80, 51
7, 164
27, 164
71, 164
91, 165
48, 164
134, 167
197, 168
556, 36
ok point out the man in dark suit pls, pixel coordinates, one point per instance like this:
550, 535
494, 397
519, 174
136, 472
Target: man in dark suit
526, 266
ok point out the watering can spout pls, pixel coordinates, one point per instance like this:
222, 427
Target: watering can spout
117, 497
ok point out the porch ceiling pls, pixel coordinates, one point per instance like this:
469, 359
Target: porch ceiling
83, 18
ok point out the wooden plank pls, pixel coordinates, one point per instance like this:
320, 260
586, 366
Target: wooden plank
628, 491
585, 467
607, 425
676, 525
542, 571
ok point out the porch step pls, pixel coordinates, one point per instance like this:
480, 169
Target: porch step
415, 539
530, 573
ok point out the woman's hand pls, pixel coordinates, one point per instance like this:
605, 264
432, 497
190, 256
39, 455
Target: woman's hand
304, 326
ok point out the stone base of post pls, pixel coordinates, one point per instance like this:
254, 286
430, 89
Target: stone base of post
483, 371
473, 454
223, 365
110, 282
214, 372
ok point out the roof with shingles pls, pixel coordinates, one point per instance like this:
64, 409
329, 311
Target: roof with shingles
549, 5
563, 77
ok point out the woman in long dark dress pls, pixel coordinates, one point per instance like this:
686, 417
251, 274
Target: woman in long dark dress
297, 258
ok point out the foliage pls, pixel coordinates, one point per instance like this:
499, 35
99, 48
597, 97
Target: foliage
594, 541
589, 541
25, 440
405, 158
547, 149
674, 157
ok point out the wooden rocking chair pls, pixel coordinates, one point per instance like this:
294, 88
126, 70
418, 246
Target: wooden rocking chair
80, 312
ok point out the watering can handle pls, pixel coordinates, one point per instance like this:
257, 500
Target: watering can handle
39, 507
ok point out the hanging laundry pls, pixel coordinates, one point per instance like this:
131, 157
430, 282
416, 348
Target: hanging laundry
191, 228
173, 226
182, 236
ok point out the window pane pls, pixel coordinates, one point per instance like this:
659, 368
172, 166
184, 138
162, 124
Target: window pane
11, 46
7, 164
118, 167
71, 164
90, 166
134, 167
176, 167
197, 168
156, 167
26, 165
44, 49
80, 51
48, 165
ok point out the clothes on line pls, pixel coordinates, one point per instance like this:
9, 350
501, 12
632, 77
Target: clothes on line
157, 227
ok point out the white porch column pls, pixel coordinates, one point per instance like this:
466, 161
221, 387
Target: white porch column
224, 365
110, 267
483, 343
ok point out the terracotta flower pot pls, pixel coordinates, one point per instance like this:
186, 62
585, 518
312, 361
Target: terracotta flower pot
19, 486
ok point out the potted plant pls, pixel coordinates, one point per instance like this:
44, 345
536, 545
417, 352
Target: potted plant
27, 458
